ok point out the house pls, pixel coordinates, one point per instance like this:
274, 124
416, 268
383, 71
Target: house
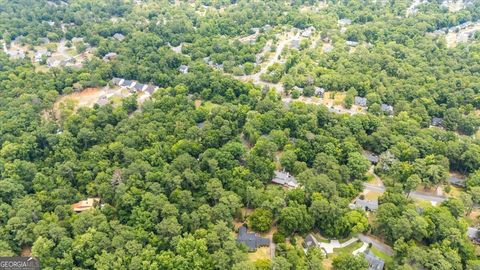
110, 56
386, 108
295, 44
183, 69
251, 240
344, 22
127, 83
308, 32
267, 28
310, 241
85, 204
40, 53
285, 179
103, 100
371, 157
360, 101
374, 262
150, 89
472, 233
367, 205
118, 36
16, 54
437, 121
319, 91
117, 81
456, 181
351, 43
138, 87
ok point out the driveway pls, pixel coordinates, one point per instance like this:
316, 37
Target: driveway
376, 243
415, 194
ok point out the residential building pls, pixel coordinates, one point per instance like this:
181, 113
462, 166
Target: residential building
110, 56
117, 81
367, 205
150, 89
371, 157
127, 83
351, 43
85, 204
360, 101
118, 36
183, 69
310, 241
456, 181
386, 108
285, 179
319, 91
139, 87
251, 240
374, 262
40, 53
295, 44
437, 121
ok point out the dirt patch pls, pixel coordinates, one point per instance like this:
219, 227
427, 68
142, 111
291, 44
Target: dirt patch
198, 103
26, 251
85, 98
262, 253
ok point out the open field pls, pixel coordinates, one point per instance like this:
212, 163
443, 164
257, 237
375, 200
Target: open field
260, 254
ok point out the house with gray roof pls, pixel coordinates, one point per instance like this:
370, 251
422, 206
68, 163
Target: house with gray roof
117, 81
285, 179
437, 121
310, 241
251, 240
456, 181
110, 56
127, 83
319, 91
295, 44
118, 36
386, 108
374, 262
183, 69
138, 87
360, 101
367, 205
371, 157
150, 89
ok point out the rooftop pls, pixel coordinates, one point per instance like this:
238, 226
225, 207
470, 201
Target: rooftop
285, 179
360, 101
367, 205
251, 240
85, 204
374, 262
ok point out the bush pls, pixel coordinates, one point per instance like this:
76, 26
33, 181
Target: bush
278, 238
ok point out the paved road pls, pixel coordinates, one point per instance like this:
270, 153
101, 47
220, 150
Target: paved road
415, 194
376, 243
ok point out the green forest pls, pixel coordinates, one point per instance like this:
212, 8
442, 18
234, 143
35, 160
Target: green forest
173, 176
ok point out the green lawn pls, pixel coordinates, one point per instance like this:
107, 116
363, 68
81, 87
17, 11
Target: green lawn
348, 249
388, 260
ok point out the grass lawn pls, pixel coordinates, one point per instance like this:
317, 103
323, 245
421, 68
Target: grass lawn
388, 260
346, 250
261, 253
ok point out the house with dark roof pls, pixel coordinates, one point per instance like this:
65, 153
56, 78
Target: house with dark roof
374, 262
150, 89
117, 81
386, 108
360, 101
285, 179
310, 242
138, 87
251, 240
127, 83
